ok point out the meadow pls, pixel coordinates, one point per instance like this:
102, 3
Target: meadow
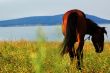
44, 57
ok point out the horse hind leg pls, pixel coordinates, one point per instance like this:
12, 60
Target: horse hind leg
71, 51
71, 54
80, 54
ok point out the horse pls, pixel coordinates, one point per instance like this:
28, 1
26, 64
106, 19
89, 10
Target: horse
75, 26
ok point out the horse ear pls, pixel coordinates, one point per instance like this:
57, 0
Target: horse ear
104, 30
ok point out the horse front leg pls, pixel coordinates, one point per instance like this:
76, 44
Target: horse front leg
80, 54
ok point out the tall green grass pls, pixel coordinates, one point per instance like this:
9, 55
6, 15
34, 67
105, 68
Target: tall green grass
44, 57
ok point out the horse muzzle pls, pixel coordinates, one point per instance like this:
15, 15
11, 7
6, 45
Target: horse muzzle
99, 50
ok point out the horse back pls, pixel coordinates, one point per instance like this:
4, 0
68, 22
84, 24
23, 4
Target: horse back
80, 21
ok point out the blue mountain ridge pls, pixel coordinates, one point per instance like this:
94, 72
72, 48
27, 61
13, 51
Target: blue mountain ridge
45, 20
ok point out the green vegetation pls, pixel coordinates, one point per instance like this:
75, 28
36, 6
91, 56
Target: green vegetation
44, 57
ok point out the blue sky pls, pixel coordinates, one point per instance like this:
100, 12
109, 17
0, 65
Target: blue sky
11, 9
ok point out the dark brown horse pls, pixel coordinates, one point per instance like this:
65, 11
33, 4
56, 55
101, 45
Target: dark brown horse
75, 26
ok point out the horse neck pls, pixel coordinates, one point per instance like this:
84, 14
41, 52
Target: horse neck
91, 29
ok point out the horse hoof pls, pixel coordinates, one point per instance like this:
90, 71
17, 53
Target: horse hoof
71, 59
79, 68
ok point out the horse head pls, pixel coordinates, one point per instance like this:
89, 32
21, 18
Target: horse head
98, 39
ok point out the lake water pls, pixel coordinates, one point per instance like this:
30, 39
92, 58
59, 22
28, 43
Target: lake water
31, 33
51, 33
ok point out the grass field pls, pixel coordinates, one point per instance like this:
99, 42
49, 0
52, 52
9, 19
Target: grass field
44, 57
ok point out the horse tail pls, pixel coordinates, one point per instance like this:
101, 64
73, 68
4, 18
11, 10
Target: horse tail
70, 36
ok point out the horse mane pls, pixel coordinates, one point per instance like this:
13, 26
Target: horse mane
91, 26
91, 23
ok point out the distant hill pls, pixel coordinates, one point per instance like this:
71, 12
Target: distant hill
98, 20
45, 20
